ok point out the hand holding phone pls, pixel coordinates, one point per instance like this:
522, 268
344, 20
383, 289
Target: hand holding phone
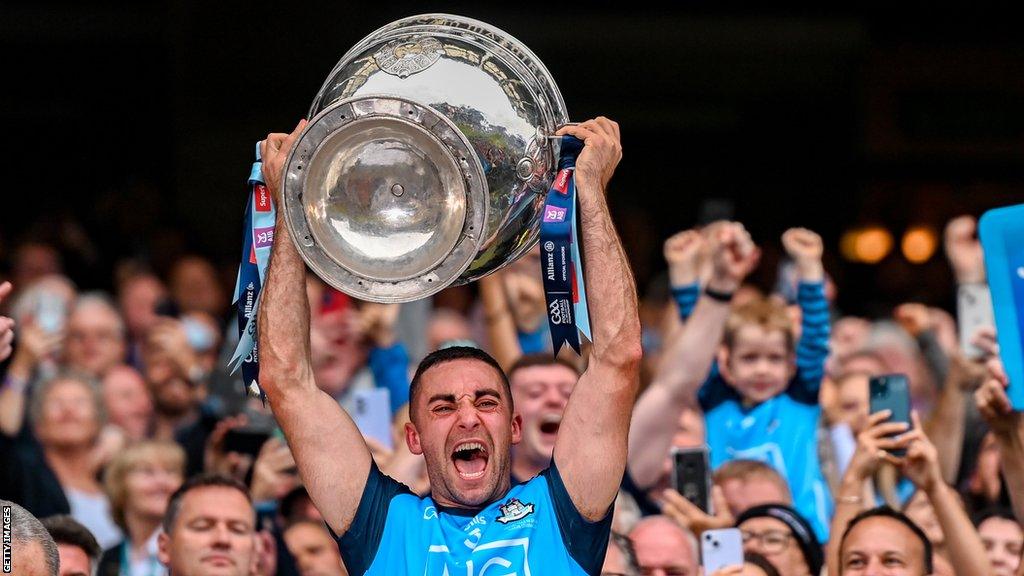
51, 312
973, 312
891, 392
691, 476
720, 549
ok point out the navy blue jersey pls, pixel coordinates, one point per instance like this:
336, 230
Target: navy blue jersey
534, 529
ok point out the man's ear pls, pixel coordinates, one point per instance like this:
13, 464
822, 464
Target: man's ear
517, 429
163, 552
412, 439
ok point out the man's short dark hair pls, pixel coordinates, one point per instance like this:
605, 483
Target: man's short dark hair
204, 480
541, 359
67, 530
993, 512
449, 355
887, 512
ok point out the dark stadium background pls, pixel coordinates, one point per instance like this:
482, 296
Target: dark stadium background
138, 119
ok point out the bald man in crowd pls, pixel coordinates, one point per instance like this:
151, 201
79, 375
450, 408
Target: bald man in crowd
664, 548
33, 551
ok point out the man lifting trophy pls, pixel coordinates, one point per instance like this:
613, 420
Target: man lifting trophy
430, 158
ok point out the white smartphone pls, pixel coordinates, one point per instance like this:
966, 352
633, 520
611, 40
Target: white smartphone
372, 414
721, 549
973, 311
50, 312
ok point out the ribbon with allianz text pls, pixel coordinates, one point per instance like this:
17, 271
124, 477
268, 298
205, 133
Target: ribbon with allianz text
560, 259
257, 240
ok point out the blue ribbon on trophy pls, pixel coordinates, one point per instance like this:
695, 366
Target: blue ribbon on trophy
257, 240
560, 260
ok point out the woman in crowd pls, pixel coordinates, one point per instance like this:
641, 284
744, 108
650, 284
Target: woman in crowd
139, 483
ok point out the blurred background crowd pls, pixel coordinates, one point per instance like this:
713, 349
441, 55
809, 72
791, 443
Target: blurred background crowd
112, 400
876, 127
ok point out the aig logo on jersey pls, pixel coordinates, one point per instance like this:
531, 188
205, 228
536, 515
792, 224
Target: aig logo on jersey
514, 510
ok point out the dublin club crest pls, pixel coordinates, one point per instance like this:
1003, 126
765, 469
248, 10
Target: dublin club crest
514, 510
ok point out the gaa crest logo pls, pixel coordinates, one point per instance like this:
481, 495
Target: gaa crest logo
514, 510
405, 58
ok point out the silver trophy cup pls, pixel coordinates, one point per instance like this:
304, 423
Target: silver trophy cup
425, 161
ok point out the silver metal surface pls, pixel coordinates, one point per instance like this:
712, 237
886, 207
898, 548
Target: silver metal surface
426, 160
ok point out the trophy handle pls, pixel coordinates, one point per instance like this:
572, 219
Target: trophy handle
553, 137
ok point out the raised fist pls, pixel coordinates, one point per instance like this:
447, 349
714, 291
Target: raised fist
683, 254
805, 248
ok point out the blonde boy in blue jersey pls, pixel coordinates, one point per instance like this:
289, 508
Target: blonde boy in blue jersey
760, 401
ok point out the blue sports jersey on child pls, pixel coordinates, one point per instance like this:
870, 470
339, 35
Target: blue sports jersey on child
533, 530
781, 431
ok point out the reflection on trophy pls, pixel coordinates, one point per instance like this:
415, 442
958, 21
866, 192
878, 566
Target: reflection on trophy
425, 161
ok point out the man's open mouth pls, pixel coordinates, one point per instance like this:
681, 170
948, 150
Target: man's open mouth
470, 459
550, 423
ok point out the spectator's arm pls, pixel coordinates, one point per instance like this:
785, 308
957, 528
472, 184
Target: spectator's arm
934, 356
682, 253
501, 327
1008, 427
684, 366
685, 298
806, 248
32, 347
812, 348
332, 458
686, 360
921, 465
6, 325
917, 320
947, 424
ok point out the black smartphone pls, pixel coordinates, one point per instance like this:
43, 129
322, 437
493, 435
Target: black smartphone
891, 392
245, 440
691, 476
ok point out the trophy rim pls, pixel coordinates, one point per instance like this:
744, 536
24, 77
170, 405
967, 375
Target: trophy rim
444, 23
459, 152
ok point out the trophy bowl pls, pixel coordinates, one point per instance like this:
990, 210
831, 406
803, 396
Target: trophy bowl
425, 160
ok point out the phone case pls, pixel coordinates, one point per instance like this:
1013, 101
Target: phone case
891, 392
691, 476
1002, 238
372, 414
973, 311
720, 549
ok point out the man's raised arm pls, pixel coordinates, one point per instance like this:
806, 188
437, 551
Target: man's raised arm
591, 449
332, 457
688, 356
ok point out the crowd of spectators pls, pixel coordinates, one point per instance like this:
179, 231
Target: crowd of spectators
124, 432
